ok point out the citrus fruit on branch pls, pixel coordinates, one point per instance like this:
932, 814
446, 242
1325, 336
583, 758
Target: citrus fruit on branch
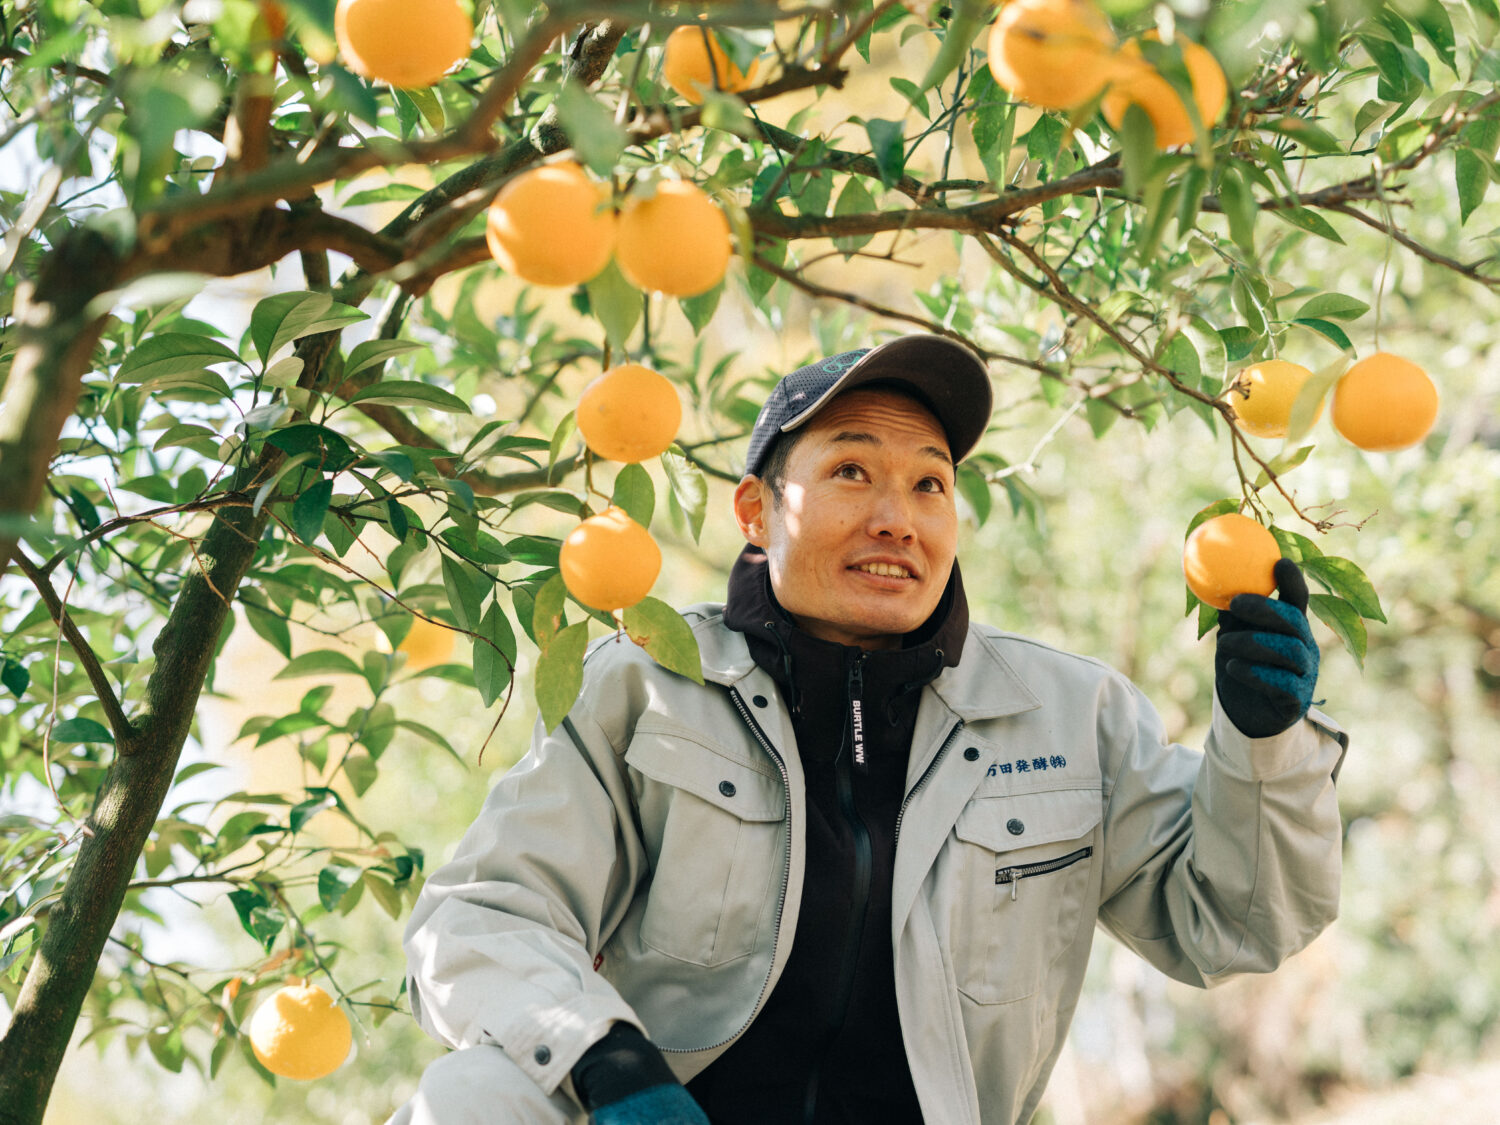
694, 61
552, 226
1055, 54
1142, 84
299, 1032
674, 241
1384, 403
1264, 395
630, 413
1228, 555
407, 43
609, 561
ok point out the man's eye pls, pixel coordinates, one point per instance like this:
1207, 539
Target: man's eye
849, 472
932, 484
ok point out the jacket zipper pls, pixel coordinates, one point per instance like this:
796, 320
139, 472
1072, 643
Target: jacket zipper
786, 876
921, 781
1014, 875
859, 898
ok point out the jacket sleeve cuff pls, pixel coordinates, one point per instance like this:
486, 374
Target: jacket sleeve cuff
1261, 759
546, 1044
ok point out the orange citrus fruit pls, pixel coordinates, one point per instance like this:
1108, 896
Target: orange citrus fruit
1384, 403
299, 1032
552, 226
426, 644
1056, 54
1142, 85
407, 43
694, 61
630, 413
1228, 555
1264, 395
609, 561
675, 241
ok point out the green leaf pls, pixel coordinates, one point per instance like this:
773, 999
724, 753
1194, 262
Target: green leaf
1295, 545
1138, 150
1327, 329
855, 199
280, 318
494, 655
1307, 406
170, 354
992, 122
559, 673
166, 1048
466, 587
888, 147
700, 310
361, 770
591, 128
411, 393
309, 509
303, 811
261, 920
1344, 578
1239, 342
334, 882
1473, 163
976, 490
1311, 136
689, 488
79, 729
635, 493
1334, 306
14, 676
330, 449
1345, 622
665, 635
967, 21
615, 303
1217, 508
370, 353
1306, 219
1238, 203
319, 662
547, 610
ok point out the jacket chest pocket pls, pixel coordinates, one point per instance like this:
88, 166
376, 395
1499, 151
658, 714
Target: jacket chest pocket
714, 830
1025, 869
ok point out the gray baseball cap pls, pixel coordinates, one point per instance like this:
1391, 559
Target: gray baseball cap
942, 373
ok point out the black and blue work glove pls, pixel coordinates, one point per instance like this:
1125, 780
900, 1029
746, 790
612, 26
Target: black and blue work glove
623, 1080
1266, 664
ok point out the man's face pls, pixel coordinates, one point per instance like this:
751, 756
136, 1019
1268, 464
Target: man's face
861, 543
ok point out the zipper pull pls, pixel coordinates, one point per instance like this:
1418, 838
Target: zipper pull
1015, 881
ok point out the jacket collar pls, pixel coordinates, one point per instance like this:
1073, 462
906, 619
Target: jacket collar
983, 685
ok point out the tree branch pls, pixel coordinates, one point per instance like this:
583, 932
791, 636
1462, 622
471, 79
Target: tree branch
119, 722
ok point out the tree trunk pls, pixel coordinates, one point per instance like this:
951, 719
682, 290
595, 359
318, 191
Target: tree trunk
129, 802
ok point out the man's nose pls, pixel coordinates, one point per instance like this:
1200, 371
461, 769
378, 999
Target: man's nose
891, 516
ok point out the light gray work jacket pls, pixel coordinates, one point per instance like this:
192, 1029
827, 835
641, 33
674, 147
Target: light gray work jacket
644, 862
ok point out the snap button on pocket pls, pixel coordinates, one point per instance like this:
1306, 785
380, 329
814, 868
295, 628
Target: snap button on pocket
1015, 827
758, 700
542, 1055
726, 788
971, 754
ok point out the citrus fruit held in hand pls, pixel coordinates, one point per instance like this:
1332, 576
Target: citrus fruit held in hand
630, 413
552, 226
407, 43
1384, 403
675, 241
693, 61
1265, 394
1143, 85
609, 561
1228, 555
299, 1032
1055, 54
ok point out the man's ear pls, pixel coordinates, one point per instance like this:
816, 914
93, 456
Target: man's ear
751, 499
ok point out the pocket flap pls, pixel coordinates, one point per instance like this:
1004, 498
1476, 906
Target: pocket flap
734, 786
1024, 820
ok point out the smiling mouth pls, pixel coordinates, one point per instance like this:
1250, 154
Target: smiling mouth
884, 570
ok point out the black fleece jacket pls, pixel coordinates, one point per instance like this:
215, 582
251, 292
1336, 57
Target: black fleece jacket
827, 1046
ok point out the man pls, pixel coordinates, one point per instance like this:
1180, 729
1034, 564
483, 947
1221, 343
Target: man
854, 876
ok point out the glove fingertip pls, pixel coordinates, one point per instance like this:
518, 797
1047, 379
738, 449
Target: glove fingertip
1290, 584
